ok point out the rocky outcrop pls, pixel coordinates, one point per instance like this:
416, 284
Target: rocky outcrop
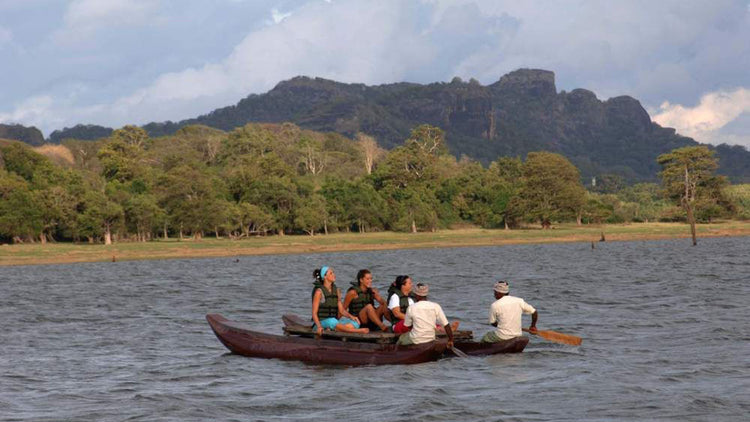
80, 132
29, 135
534, 83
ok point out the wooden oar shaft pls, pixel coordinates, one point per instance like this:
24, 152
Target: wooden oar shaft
558, 337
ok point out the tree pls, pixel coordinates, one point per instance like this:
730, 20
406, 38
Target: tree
649, 201
100, 216
370, 150
311, 214
686, 172
416, 207
313, 157
189, 195
504, 184
143, 214
203, 139
254, 219
131, 135
551, 188
20, 217
120, 160
353, 203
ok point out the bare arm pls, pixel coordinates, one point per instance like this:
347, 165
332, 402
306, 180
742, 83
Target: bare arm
350, 296
532, 327
449, 332
344, 312
315, 306
397, 313
377, 297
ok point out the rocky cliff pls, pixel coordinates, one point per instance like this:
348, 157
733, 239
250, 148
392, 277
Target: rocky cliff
29, 135
521, 112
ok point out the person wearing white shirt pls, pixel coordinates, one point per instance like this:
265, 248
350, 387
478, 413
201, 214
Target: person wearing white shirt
505, 314
423, 317
399, 302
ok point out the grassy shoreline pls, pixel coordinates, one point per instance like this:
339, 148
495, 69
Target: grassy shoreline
59, 253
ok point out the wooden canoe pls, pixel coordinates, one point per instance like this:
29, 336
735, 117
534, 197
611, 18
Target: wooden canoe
296, 325
242, 340
473, 348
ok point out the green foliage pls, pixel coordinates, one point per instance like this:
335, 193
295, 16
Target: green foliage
20, 215
99, 216
739, 195
30, 165
264, 178
688, 180
120, 161
311, 214
353, 205
551, 188
190, 196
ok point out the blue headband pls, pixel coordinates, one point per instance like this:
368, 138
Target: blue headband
323, 271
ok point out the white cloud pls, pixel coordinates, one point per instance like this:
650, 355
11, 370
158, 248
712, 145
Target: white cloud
705, 121
277, 16
84, 18
343, 43
29, 110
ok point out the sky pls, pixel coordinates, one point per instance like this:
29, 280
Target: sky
118, 62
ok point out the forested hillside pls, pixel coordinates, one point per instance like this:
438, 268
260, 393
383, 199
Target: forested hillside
520, 113
262, 179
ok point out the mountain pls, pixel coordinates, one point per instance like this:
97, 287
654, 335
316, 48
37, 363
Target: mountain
521, 112
82, 132
29, 135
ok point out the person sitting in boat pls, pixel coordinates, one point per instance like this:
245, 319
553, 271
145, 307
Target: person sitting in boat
424, 317
327, 311
505, 314
399, 300
360, 301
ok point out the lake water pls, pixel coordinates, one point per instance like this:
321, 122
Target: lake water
666, 330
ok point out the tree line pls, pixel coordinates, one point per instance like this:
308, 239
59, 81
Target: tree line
263, 179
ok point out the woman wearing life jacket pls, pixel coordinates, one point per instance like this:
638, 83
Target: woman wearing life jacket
399, 301
327, 308
360, 301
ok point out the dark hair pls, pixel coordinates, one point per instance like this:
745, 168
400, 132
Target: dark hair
400, 280
362, 273
316, 275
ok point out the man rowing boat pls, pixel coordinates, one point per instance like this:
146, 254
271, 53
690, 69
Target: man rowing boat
505, 314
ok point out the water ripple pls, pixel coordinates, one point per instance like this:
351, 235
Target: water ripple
664, 325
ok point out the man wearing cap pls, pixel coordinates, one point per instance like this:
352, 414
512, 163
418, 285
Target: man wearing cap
505, 314
423, 316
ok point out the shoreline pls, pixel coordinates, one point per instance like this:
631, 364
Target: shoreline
68, 253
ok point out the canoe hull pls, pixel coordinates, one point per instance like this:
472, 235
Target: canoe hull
474, 348
241, 340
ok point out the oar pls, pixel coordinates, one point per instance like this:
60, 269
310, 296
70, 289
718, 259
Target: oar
557, 337
458, 352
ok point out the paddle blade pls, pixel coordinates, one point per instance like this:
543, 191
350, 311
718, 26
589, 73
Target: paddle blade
558, 337
458, 352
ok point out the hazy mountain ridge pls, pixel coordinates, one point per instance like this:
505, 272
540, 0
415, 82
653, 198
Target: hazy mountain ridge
519, 113
30, 135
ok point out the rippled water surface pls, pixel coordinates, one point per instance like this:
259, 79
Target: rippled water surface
665, 327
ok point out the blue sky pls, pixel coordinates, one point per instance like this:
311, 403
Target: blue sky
117, 62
